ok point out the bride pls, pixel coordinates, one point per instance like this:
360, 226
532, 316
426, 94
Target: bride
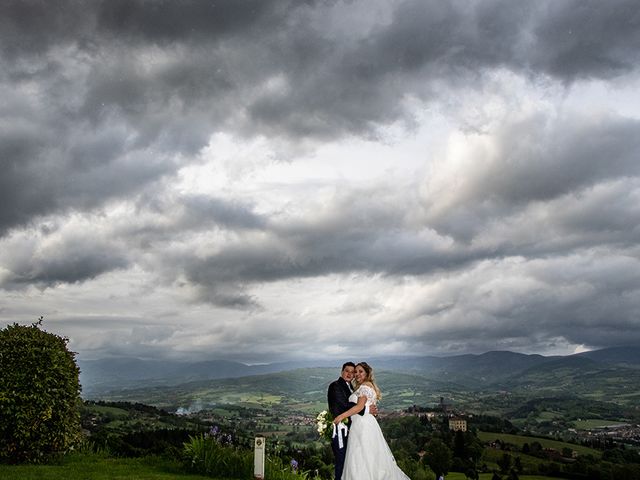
368, 456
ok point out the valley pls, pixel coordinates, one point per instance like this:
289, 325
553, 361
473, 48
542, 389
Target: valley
567, 417
563, 397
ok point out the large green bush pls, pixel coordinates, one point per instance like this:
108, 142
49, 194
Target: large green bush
39, 395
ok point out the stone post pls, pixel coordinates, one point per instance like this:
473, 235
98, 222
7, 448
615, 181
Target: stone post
258, 458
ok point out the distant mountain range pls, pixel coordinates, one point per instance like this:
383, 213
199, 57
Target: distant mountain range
492, 369
129, 372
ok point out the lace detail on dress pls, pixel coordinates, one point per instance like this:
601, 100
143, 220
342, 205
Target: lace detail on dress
366, 391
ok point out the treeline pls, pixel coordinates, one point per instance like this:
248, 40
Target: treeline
127, 429
130, 406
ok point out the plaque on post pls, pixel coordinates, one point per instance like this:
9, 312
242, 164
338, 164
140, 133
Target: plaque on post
258, 458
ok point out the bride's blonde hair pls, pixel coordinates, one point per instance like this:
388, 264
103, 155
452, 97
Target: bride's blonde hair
370, 378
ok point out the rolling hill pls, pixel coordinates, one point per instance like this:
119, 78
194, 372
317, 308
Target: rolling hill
611, 375
568, 381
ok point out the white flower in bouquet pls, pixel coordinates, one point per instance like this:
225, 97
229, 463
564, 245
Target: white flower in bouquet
324, 424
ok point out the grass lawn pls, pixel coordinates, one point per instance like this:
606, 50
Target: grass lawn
97, 467
487, 476
530, 464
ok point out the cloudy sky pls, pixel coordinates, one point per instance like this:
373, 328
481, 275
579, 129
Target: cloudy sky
263, 180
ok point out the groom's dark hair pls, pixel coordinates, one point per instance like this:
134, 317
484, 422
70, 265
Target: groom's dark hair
348, 364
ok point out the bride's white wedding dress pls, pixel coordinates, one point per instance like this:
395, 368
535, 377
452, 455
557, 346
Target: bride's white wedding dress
368, 456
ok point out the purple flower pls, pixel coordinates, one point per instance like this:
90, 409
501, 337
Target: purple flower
294, 465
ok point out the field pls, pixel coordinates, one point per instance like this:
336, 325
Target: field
487, 476
113, 412
595, 423
520, 440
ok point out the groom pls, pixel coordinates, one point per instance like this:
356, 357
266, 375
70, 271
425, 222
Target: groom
338, 398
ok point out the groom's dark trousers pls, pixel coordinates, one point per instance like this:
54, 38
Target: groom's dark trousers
339, 453
338, 399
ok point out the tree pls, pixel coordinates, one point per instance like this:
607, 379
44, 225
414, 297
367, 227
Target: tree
459, 444
517, 464
505, 463
567, 452
471, 474
39, 394
438, 457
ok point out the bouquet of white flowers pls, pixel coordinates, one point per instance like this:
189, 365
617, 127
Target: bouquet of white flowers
324, 424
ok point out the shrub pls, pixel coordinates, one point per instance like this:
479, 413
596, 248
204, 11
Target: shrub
167, 442
39, 395
205, 454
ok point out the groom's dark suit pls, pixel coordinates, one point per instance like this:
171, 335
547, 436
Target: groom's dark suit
338, 398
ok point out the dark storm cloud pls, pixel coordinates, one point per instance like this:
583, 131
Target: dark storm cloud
162, 218
204, 210
582, 39
569, 40
609, 215
589, 298
354, 235
171, 73
35, 26
46, 170
174, 21
541, 159
361, 84
76, 258
56, 257
538, 160
20, 148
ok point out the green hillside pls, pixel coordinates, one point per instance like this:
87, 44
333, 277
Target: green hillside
566, 390
598, 372
303, 389
581, 377
520, 440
